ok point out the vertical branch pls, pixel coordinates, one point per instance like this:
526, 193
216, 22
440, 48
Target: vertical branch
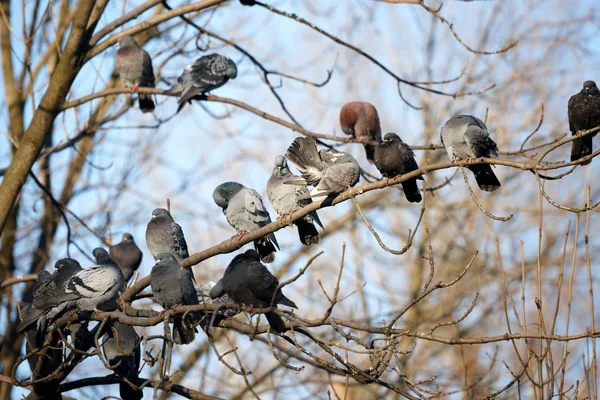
591, 291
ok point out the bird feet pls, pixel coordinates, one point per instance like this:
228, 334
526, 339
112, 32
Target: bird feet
240, 235
134, 87
248, 309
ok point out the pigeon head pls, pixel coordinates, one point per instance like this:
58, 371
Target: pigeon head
161, 213
281, 165
349, 115
231, 69
391, 137
126, 41
166, 257
65, 264
224, 192
589, 87
127, 238
102, 257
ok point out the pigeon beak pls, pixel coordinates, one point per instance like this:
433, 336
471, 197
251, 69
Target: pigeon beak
154, 216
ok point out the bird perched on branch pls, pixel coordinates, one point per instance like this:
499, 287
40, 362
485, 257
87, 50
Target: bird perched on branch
164, 235
285, 201
205, 74
49, 293
584, 114
393, 157
329, 171
127, 255
121, 346
134, 66
245, 212
174, 285
247, 281
466, 137
360, 120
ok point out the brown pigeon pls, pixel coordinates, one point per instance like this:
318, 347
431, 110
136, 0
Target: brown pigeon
134, 66
360, 120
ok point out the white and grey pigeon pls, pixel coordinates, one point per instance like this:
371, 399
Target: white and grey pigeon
50, 299
127, 254
329, 171
465, 137
205, 74
285, 201
134, 66
164, 235
174, 285
245, 212
121, 346
97, 287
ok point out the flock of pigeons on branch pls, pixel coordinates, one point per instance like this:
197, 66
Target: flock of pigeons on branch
247, 281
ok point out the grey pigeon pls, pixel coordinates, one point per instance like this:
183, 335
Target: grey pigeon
164, 235
174, 285
214, 293
134, 66
205, 74
360, 120
393, 157
247, 281
121, 350
584, 114
50, 298
285, 201
329, 171
245, 211
98, 287
465, 137
127, 255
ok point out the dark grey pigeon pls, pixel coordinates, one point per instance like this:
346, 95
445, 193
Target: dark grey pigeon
247, 281
329, 171
205, 74
285, 201
50, 298
245, 211
214, 293
465, 137
393, 157
164, 235
584, 114
121, 348
134, 66
360, 120
127, 255
174, 285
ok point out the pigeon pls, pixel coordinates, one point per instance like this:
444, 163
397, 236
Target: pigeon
164, 235
329, 171
98, 287
50, 298
285, 201
360, 120
247, 281
134, 65
465, 137
213, 293
393, 157
174, 285
205, 74
127, 255
122, 351
245, 212
584, 114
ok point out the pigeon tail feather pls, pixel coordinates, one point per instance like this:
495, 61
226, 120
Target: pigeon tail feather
266, 249
129, 393
485, 177
581, 148
146, 103
411, 191
307, 232
181, 334
276, 322
370, 153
